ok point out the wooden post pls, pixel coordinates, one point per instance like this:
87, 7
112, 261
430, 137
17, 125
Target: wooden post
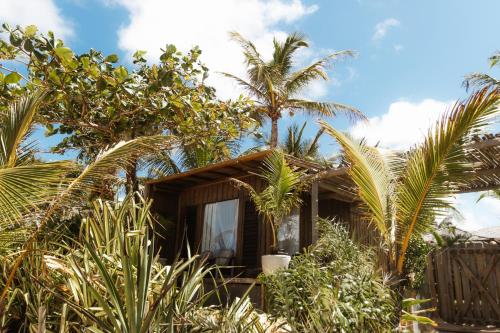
314, 212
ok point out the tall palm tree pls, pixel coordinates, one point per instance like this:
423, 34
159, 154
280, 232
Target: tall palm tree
275, 85
402, 196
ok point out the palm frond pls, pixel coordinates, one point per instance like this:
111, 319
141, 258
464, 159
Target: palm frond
301, 78
370, 171
489, 194
436, 168
481, 80
24, 188
284, 52
327, 109
249, 87
16, 126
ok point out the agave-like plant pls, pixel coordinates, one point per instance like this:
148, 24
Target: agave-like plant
276, 84
402, 196
32, 193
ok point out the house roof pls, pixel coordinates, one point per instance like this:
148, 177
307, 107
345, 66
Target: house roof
245, 164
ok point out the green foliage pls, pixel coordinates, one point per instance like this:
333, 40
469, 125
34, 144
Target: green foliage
402, 196
282, 194
275, 84
96, 102
333, 287
416, 261
109, 280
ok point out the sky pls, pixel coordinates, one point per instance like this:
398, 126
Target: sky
411, 56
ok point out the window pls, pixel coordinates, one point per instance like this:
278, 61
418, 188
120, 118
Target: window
289, 233
220, 226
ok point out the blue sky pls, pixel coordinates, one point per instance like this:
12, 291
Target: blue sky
411, 56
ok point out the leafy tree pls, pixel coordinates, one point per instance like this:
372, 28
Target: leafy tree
402, 196
96, 102
276, 86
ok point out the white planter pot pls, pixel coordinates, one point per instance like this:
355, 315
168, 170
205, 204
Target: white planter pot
273, 262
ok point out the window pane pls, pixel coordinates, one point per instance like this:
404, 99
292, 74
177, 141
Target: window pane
220, 226
289, 233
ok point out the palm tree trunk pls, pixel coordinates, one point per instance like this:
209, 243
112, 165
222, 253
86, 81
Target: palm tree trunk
274, 133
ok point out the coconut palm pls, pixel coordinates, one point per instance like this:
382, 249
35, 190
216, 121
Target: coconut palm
297, 146
402, 196
282, 194
275, 85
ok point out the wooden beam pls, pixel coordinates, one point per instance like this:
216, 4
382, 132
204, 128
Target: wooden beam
337, 190
314, 212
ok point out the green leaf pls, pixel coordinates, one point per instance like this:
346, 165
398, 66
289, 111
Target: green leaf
31, 30
111, 58
64, 53
121, 73
419, 319
12, 78
413, 301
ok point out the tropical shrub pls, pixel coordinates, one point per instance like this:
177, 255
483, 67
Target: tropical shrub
332, 287
109, 279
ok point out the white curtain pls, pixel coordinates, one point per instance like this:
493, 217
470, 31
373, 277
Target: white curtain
220, 226
289, 233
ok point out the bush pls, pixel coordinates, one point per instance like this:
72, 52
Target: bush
332, 287
110, 280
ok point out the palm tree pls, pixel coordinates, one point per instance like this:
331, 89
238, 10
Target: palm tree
297, 146
276, 86
282, 194
25, 183
189, 157
402, 196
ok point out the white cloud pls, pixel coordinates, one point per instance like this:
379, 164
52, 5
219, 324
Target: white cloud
187, 23
404, 124
42, 13
381, 28
477, 215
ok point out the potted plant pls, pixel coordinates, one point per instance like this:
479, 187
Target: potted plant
276, 201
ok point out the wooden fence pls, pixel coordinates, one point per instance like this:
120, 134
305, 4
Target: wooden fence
464, 283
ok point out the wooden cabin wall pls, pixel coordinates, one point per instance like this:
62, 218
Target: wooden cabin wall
197, 197
165, 206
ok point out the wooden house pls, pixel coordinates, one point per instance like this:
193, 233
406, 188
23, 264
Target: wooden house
203, 208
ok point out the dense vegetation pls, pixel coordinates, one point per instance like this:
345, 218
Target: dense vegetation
332, 287
75, 258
